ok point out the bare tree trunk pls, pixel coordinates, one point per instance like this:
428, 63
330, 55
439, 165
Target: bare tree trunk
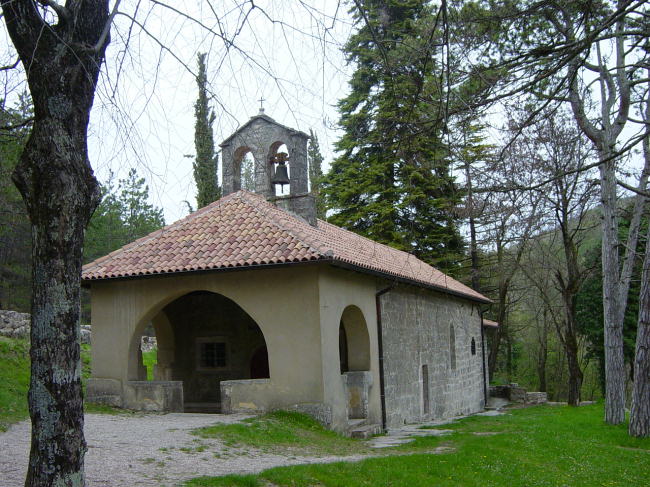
613, 336
542, 355
575, 374
54, 176
640, 413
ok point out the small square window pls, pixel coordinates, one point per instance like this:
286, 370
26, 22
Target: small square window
212, 355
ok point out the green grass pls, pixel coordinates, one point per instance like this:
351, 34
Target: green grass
289, 433
14, 377
541, 446
149, 359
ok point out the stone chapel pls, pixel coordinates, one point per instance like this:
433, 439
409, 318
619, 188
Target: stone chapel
257, 305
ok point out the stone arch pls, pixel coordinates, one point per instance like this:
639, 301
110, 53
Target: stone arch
274, 148
354, 328
238, 158
205, 338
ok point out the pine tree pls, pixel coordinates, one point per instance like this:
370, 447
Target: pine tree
391, 181
315, 159
206, 162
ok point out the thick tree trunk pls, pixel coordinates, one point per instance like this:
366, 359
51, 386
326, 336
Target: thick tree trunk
613, 332
54, 176
575, 374
640, 413
62, 194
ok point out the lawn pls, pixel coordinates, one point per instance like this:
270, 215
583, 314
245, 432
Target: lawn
550, 446
283, 432
14, 377
149, 359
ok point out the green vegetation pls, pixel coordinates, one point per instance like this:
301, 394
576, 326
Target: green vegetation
283, 432
391, 181
14, 376
541, 446
149, 359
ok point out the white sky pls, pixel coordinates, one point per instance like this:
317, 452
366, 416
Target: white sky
288, 52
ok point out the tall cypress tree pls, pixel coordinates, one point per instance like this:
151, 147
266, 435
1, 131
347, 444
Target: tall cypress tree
316, 172
391, 181
206, 161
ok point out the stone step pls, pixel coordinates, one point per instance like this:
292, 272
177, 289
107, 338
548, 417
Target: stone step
202, 407
365, 431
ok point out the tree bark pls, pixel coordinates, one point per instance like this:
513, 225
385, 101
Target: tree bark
613, 333
542, 356
62, 62
640, 413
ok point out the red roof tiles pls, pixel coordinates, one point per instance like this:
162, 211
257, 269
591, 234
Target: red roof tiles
244, 230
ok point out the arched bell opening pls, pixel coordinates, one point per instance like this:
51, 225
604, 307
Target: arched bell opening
244, 169
280, 174
209, 339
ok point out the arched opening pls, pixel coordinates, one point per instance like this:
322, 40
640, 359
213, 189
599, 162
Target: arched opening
149, 351
353, 335
205, 338
354, 361
277, 148
244, 169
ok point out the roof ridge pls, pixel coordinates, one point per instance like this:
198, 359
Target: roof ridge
283, 214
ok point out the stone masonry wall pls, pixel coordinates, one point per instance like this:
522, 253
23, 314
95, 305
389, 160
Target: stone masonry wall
416, 332
17, 325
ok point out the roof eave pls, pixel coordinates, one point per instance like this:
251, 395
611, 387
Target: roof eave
405, 280
333, 261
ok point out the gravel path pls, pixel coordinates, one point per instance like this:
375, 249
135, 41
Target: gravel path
148, 450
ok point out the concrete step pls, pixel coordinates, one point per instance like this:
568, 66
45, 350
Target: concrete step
202, 407
365, 431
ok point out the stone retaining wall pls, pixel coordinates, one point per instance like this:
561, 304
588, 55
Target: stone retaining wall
517, 394
17, 325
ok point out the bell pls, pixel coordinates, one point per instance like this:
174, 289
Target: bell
281, 175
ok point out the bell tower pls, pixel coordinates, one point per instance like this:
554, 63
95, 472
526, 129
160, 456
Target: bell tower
262, 137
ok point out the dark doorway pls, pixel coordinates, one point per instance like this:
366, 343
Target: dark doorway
260, 364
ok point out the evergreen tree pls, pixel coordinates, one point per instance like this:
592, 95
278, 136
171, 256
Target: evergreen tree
315, 159
391, 181
206, 162
124, 215
15, 234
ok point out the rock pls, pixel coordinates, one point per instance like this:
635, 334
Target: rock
17, 325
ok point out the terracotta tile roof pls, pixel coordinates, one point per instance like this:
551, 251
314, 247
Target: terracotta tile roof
244, 230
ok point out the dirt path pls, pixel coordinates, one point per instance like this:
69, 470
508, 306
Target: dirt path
147, 450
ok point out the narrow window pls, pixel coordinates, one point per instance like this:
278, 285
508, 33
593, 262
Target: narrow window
473, 346
426, 405
452, 347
